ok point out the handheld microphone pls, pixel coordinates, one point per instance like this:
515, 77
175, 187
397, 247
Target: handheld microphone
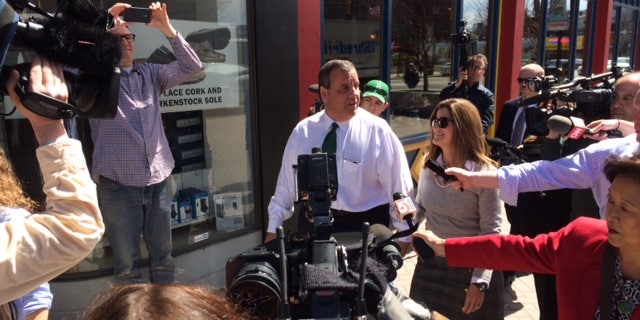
405, 207
421, 247
572, 127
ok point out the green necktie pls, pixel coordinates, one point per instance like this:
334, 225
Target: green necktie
329, 145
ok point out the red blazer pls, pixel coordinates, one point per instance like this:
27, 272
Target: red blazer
574, 254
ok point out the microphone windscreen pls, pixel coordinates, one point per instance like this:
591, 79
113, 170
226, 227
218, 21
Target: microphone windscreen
8, 26
559, 124
398, 196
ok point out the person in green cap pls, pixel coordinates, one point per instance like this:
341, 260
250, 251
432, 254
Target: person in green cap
375, 97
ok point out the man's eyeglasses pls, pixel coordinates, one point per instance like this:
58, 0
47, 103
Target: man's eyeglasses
442, 122
376, 90
129, 37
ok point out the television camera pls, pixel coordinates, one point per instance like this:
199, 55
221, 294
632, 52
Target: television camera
588, 98
327, 275
76, 36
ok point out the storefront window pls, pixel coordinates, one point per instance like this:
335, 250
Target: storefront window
422, 40
622, 35
206, 120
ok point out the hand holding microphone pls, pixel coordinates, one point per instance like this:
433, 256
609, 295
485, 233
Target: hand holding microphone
407, 211
575, 128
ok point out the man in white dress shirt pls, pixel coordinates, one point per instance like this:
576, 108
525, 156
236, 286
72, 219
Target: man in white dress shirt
370, 160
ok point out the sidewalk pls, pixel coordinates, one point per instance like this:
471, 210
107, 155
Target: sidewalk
520, 303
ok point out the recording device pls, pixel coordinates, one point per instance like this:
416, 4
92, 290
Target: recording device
574, 127
407, 210
136, 14
404, 206
460, 42
439, 170
77, 37
587, 98
331, 276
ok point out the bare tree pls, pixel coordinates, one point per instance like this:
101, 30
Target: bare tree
422, 24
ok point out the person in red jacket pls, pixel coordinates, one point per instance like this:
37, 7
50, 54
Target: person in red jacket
596, 262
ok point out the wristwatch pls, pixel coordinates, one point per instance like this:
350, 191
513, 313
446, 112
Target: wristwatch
482, 287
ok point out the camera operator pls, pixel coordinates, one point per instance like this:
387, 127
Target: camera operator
539, 211
371, 163
622, 110
470, 75
132, 159
39, 247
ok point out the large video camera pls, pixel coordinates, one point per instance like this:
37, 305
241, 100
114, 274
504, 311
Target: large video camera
588, 98
76, 36
328, 275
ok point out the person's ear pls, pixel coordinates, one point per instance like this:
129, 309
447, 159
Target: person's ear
323, 93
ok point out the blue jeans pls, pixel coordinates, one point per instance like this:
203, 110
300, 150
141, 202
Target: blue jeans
129, 212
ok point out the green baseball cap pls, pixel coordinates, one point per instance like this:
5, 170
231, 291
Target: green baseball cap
378, 89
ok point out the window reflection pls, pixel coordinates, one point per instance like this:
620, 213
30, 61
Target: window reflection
422, 39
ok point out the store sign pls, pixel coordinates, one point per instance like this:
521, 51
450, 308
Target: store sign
356, 41
221, 83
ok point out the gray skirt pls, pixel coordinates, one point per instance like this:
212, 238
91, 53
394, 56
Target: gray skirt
442, 288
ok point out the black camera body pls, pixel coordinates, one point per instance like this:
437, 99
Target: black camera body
586, 98
463, 37
331, 276
75, 36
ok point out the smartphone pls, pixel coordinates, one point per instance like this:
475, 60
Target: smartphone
136, 14
439, 170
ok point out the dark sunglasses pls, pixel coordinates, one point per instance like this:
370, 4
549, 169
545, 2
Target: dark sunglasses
441, 122
376, 90
527, 80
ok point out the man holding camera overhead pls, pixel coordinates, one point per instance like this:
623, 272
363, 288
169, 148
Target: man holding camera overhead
132, 159
469, 86
371, 163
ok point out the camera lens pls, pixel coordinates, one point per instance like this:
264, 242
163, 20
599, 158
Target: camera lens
256, 288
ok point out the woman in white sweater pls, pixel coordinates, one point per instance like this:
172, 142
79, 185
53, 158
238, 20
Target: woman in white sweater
457, 141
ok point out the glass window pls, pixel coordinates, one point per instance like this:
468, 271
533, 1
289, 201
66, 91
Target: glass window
425, 36
622, 44
206, 120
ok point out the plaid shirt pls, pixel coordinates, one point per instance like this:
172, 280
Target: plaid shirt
132, 148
